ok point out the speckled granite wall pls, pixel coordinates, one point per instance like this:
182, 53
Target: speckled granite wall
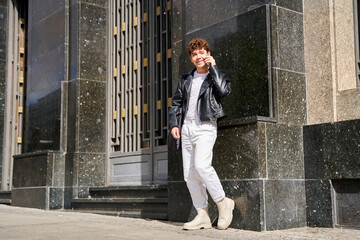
73, 73
259, 151
331, 152
38, 180
86, 129
3, 47
331, 138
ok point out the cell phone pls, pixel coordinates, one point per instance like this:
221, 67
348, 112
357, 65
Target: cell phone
209, 64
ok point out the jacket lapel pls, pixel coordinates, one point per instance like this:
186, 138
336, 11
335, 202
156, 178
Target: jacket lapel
189, 79
188, 83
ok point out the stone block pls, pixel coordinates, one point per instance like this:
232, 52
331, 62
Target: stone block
291, 97
290, 35
237, 154
29, 197
285, 204
284, 151
331, 150
319, 210
91, 169
38, 180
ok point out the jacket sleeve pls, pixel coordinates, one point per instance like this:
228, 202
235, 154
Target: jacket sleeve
176, 105
221, 81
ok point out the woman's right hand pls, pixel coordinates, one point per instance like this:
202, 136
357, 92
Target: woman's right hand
175, 132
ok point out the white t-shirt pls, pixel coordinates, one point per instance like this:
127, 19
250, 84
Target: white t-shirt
194, 94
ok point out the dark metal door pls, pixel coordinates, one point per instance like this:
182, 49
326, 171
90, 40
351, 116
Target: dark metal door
140, 91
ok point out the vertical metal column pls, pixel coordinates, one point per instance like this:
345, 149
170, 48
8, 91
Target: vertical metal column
15, 87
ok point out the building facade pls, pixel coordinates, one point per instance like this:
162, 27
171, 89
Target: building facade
85, 87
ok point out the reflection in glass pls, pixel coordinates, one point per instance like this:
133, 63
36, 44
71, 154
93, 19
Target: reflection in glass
46, 51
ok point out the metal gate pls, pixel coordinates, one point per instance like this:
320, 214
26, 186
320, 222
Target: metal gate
140, 91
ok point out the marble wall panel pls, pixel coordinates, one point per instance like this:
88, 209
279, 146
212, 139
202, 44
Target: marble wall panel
314, 150
291, 40
91, 116
30, 197
285, 204
56, 198
331, 150
291, 97
248, 197
236, 153
58, 179
178, 19
180, 208
239, 46
31, 171
274, 38
91, 169
284, 151
175, 167
319, 211
92, 42
347, 161
178, 58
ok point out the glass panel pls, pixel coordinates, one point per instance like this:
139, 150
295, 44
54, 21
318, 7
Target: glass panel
44, 75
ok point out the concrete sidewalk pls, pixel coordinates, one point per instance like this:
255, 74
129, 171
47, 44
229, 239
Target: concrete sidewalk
25, 223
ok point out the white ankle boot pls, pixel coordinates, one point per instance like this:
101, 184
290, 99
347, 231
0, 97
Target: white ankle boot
202, 220
226, 207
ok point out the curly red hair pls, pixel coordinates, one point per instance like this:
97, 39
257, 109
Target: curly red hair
197, 43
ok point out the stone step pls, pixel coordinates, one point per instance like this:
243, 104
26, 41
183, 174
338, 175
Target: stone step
5, 194
121, 204
131, 214
148, 191
5, 197
5, 201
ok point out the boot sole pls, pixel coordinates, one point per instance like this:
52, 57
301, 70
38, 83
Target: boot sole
232, 209
202, 226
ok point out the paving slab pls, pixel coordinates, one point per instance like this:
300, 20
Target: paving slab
26, 223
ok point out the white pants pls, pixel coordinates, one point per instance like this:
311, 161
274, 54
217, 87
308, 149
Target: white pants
197, 141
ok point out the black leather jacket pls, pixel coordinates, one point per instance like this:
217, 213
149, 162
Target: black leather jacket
215, 86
